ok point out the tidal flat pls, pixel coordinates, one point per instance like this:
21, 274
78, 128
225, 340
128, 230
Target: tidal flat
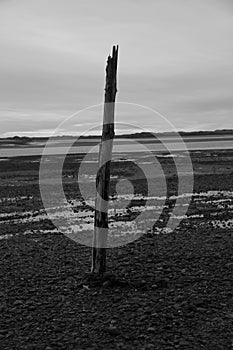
166, 289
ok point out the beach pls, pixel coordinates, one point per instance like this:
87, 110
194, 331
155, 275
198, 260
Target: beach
166, 289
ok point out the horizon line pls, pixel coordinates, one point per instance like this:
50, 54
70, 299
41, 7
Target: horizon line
117, 134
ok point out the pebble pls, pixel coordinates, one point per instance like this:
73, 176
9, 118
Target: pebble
151, 329
148, 347
113, 330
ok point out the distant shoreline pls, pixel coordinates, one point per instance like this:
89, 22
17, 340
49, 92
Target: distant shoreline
26, 141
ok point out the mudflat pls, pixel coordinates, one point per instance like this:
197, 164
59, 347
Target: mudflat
165, 290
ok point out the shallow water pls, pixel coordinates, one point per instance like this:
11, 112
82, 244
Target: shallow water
83, 220
123, 146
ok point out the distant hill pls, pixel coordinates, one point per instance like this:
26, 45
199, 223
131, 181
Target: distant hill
24, 140
16, 140
182, 133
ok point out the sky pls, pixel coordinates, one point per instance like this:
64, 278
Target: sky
175, 57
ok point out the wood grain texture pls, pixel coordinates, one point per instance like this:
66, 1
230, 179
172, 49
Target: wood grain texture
103, 176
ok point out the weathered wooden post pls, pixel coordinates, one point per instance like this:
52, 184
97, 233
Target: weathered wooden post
103, 176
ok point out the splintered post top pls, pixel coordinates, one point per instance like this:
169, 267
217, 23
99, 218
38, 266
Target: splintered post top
111, 71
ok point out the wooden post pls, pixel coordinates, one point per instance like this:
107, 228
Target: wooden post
103, 176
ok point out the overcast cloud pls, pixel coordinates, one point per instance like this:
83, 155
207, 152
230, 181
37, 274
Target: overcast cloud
176, 56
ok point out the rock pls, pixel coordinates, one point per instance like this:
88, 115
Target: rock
2, 307
176, 306
201, 309
142, 318
154, 286
198, 302
151, 329
148, 347
184, 343
113, 330
106, 284
116, 299
162, 283
120, 346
